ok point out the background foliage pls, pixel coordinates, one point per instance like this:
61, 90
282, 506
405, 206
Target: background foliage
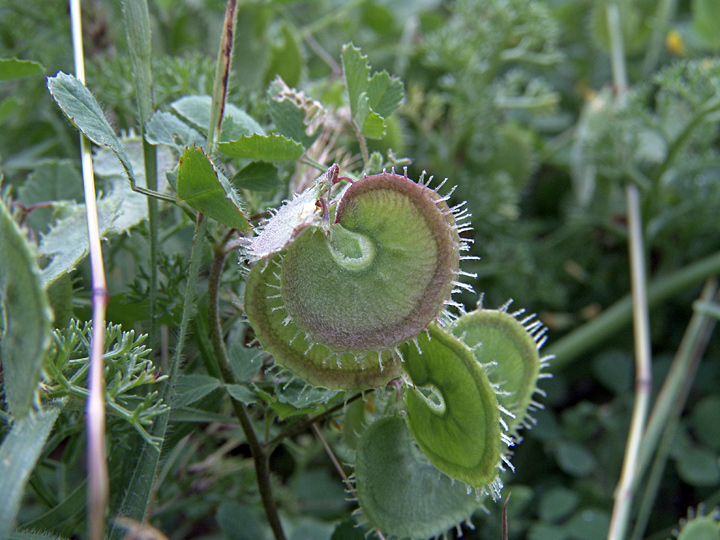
510, 99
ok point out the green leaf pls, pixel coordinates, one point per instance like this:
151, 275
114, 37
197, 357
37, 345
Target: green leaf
207, 190
371, 98
242, 393
137, 31
706, 421
12, 68
236, 122
288, 114
588, 524
26, 318
557, 503
18, 454
285, 410
192, 388
574, 459
457, 426
271, 147
258, 176
240, 522
7, 107
371, 124
200, 416
385, 93
58, 182
83, 110
244, 362
168, 129
119, 210
614, 370
62, 515
286, 58
706, 20
399, 492
356, 71
698, 466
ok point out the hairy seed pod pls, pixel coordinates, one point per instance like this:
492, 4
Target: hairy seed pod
334, 305
508, 346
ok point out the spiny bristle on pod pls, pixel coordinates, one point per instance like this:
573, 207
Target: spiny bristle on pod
508, 346
337, 292
699, 524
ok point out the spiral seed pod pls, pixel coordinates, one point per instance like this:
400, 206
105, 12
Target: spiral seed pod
508, 346
453, 412
335, 304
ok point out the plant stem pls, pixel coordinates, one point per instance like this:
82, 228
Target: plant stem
363, 144
625, 491
670, 402
614, 318
664, 12
262, 467
307, 423
98, 484
137, 30
348, 484
222, 75
137, 495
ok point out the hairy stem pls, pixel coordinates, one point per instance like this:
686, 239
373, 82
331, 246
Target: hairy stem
98, 484
262, 468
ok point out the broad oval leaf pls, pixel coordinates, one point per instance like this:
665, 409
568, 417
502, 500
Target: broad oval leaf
80, 106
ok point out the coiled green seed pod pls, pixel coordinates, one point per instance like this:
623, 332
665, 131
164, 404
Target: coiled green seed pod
372, 271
